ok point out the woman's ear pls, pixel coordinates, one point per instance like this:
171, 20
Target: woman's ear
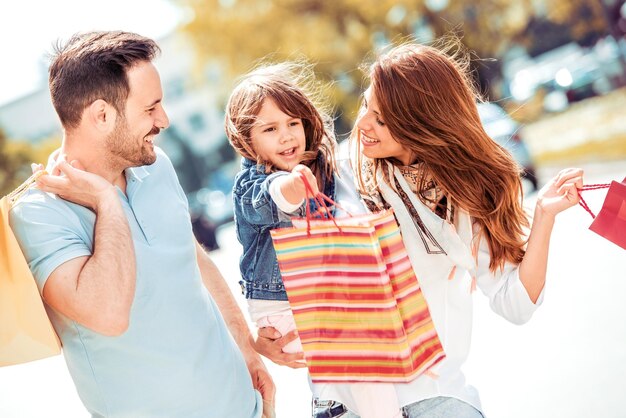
101, 116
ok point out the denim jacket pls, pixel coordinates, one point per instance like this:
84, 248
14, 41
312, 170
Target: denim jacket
255, 215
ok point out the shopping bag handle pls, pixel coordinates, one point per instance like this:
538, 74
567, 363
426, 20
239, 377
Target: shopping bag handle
590, 187
322, 196
322, 201
22, 188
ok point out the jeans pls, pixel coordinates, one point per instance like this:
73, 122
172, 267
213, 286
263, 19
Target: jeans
330, 409
439, 407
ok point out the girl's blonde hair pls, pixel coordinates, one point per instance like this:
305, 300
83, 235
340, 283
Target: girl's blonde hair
293, 87
428, 101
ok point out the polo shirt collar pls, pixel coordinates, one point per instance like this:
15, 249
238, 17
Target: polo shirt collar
137, 173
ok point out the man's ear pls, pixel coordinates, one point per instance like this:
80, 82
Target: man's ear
100, 115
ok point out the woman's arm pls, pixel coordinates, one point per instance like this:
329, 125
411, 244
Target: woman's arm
559, 194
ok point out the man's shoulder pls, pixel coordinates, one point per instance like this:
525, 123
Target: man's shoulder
35, 199
36, 206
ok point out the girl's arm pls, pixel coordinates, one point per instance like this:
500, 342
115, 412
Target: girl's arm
559, 194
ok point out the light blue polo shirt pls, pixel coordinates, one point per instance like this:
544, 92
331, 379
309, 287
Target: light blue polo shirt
177, 359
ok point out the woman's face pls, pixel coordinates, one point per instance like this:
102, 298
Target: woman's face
375, 139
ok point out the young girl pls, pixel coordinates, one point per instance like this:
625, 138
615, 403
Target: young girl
280, 134
419, 148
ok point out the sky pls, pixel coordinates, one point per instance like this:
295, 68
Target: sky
29, 29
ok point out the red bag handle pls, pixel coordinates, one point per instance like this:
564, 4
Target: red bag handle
590, 187
321, 200
321, 195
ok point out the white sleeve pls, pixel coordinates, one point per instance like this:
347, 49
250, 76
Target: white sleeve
507, 295
278, 198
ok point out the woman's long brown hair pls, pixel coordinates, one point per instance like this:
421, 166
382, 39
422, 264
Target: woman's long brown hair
427, 100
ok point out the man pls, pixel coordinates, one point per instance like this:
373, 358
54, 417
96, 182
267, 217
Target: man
110, 243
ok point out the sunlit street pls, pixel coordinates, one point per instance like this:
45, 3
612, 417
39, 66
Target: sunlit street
568, 361
226, 99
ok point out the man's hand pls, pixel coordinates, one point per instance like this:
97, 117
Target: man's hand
261, 380
223, 297
270, 343
77, 186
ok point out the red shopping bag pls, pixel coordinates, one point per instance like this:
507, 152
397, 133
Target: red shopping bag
358, 307
611, 220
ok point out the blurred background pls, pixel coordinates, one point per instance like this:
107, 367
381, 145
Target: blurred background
553, 72
546, 66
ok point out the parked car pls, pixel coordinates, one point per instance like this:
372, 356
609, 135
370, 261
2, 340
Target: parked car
505, 131
211, 208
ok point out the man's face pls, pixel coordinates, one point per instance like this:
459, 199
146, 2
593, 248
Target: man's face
135, 128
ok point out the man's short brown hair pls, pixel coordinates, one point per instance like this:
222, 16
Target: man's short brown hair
92, 66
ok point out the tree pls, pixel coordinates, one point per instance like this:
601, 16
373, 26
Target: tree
16, 157
337, 35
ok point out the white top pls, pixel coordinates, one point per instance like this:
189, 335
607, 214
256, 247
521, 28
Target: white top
449, 300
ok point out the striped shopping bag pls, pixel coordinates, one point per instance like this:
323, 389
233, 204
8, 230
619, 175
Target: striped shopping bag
358, 307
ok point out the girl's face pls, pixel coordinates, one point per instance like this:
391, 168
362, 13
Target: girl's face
278, 137
376, 140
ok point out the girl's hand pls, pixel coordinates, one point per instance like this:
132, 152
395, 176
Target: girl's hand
297, 172
561, 192
292, 187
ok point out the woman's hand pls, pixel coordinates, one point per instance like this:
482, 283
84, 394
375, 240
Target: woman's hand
561, 192
270, 343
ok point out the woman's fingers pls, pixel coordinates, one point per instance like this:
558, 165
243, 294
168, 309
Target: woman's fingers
569, 191
269, 332
270, 343
287, 338
569, 174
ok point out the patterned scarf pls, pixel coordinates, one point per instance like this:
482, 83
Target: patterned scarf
422, 185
